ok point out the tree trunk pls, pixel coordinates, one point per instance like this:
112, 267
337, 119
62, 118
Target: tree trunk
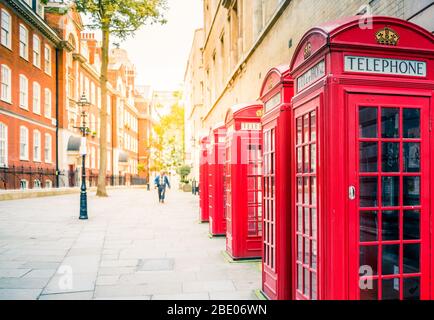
101, 190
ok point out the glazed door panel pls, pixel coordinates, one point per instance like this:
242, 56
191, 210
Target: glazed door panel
306, 208
389, 197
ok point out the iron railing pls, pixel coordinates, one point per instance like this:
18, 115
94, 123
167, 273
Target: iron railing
21, 177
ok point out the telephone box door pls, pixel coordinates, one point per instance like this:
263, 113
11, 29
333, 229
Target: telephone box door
389, 152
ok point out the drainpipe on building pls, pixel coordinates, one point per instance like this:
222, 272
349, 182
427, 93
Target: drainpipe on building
57, 118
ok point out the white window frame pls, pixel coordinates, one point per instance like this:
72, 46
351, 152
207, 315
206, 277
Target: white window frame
6, 83
37, 184
47, 103
4, 141
6, 30
36, 98
24, 92
36, 146
36, 45
48, 148
24, 42
24, 140
47, 59
48, 184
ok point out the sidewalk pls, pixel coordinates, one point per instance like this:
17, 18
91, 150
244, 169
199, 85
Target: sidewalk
132, 247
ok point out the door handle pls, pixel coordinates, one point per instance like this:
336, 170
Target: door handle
352, 192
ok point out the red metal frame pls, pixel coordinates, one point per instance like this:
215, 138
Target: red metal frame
373, 215
276, 94
243, 178
203, 181
216, 156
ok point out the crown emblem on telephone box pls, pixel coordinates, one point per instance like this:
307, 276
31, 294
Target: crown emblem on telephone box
387, 36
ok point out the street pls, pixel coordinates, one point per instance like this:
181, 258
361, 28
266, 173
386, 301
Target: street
131, 247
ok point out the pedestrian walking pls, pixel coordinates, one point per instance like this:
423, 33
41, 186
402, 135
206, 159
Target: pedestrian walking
161, 182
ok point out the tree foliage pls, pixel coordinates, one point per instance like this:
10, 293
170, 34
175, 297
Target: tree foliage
168, 142
120, 18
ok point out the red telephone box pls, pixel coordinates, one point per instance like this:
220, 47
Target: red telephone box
363, 143
216, 160
203, 181
243, 181
276, 94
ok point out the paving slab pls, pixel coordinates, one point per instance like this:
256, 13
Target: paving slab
131, 247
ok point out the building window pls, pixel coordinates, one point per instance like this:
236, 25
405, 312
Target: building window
36, 146
47, 148
23, 184
93, 94
3, 145
24, 143
6, 25
47, 103
24, 42
36, 51
48, 184
5, 83
36, 98
47, 60
24, 92
37, 184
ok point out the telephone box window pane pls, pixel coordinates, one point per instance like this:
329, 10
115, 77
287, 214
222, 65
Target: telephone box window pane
306, 221
299, 130
306, 159
411, 259
390, 157
300, 190
299, 277
368, 156
411, 289
312, 157
314, 254
390, 261
300, 248
313, 126
411, 191
390, 122
313, 190
390, 193
411, 157
369, 291
306, 251
390, 225
299, 160
314, 223
411, 225
411, 119
368, 122
306, 282
390, 289
306, 191
368, 226
300, 219
314, 286
306, 128
368, 192
369, 258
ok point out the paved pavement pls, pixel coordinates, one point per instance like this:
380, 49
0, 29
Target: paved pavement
132, 247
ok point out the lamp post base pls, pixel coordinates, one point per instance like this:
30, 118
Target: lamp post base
83, 206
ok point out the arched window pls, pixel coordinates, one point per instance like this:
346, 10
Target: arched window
6, 29
24, 42
36, 146
6, 83
47, 103
36, 51
37, 184
24, 143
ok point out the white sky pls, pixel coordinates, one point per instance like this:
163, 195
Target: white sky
160, 53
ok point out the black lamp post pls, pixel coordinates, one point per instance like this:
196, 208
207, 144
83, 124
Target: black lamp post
84, 105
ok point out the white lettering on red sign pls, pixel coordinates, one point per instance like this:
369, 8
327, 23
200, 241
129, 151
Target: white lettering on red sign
311, 75
385, 66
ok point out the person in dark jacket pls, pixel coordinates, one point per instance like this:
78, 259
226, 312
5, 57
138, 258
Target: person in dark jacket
161, 182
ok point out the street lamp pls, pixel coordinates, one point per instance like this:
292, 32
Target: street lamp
84, 106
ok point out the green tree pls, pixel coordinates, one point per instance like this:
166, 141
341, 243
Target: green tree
120, 18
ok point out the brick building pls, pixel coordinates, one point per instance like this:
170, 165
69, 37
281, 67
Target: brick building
27, 96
